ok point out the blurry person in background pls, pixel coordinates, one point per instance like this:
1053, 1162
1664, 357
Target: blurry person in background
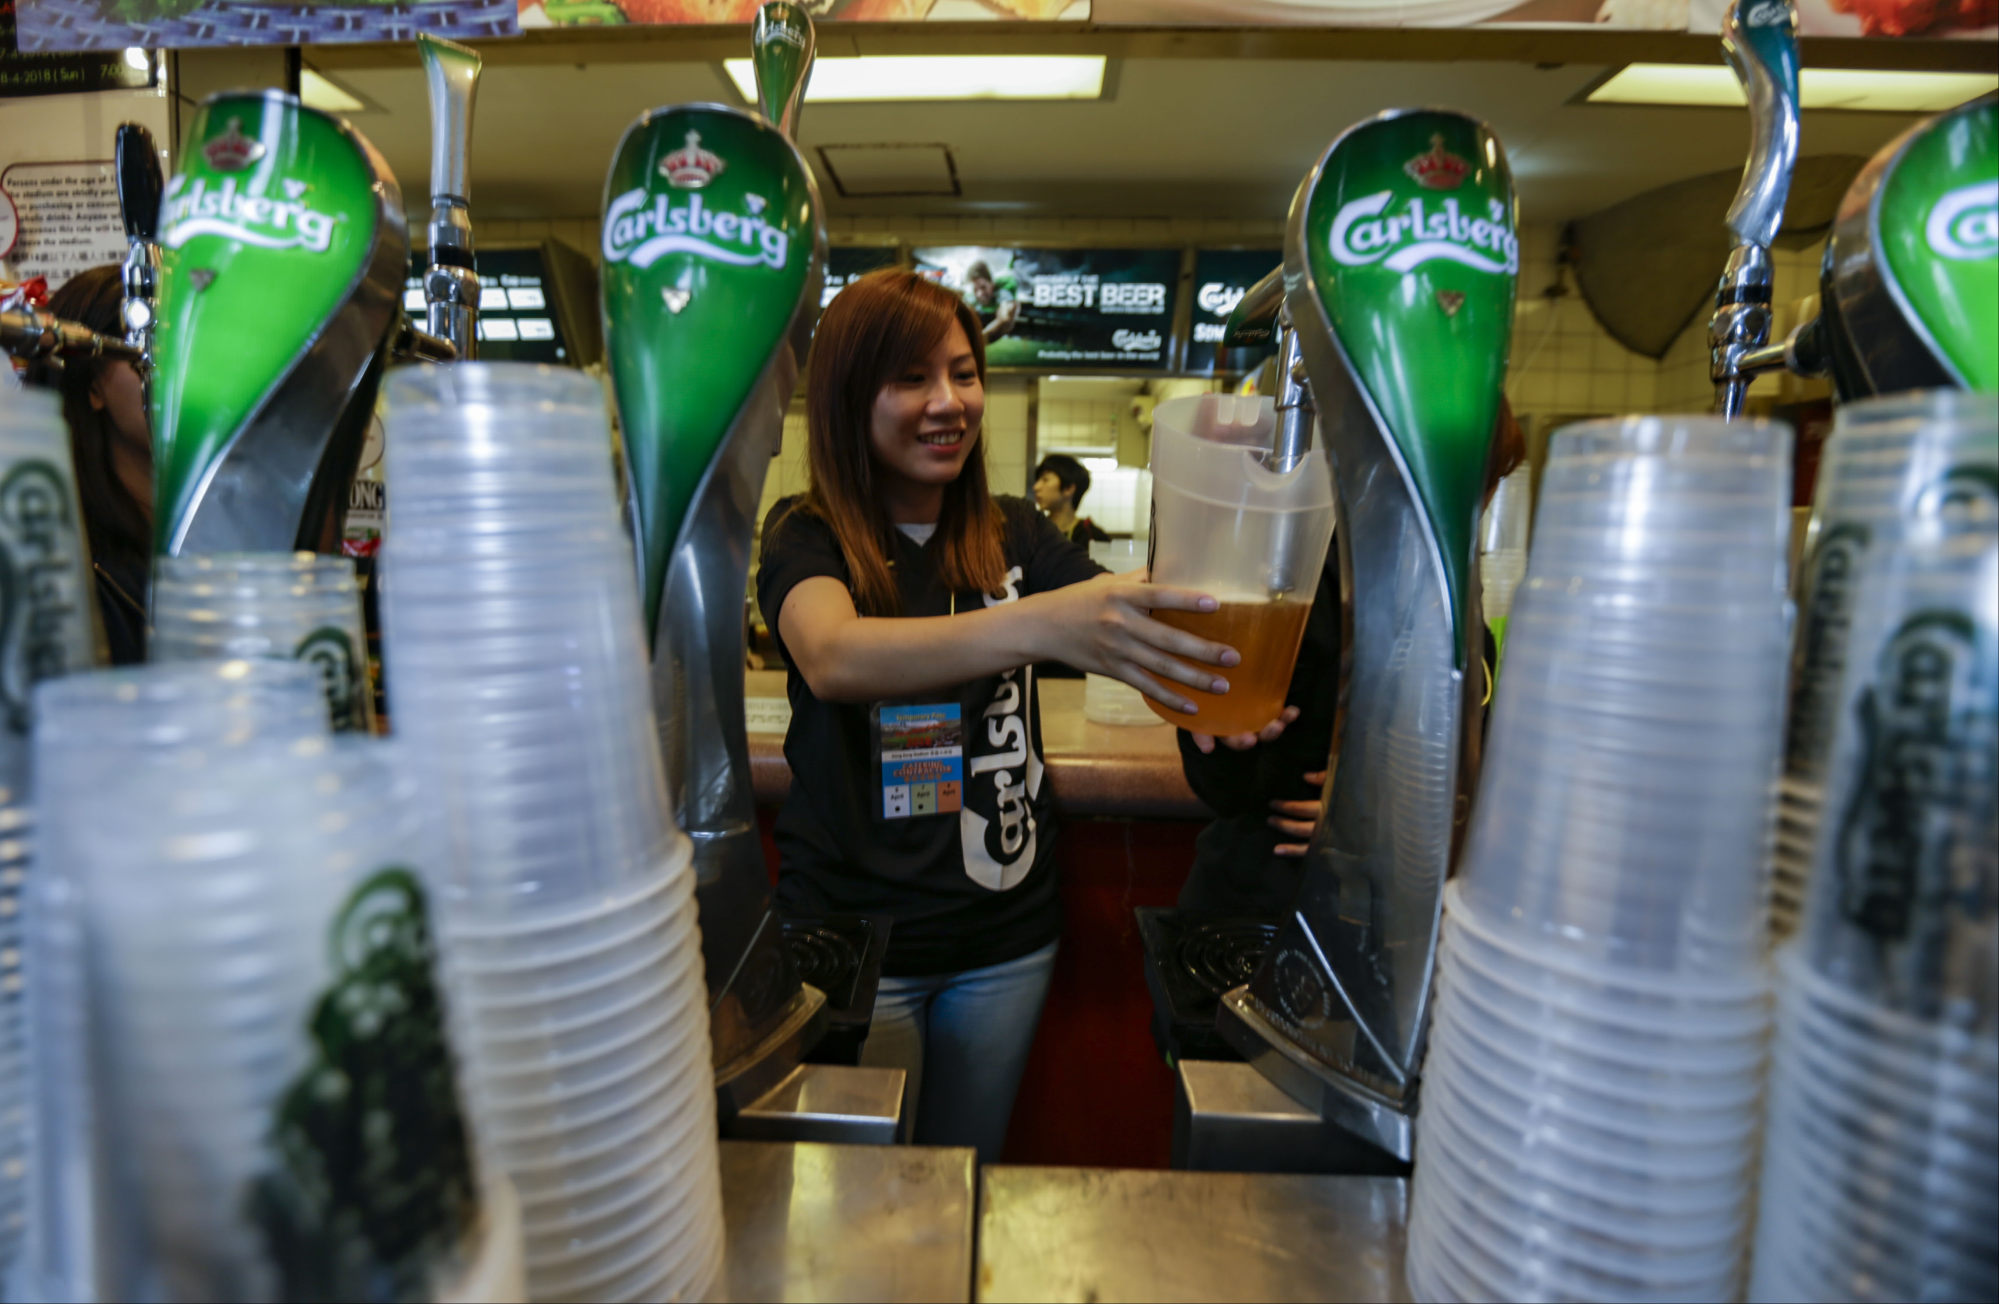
1059, 485
111, 441
993, 299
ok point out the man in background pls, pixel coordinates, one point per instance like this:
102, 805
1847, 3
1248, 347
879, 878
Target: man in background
1059, 485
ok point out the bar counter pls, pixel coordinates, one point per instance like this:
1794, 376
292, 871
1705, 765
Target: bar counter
1094, 770
811, 1221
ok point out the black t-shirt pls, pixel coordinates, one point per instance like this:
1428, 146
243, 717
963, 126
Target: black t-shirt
1086, 532
966, 889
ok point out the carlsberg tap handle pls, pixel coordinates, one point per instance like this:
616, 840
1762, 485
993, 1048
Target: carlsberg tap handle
451, 286
1759, 38
284, 250
782, 45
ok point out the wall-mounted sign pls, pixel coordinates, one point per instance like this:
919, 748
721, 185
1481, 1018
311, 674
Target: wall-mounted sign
118, 25
66, 218
1108, 308
1221, 276
845, 262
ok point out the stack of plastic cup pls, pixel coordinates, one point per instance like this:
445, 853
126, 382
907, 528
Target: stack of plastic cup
46, 629
518, 673
1881, 1159
296, 605
1591, 1097
1887, 459
275, 1110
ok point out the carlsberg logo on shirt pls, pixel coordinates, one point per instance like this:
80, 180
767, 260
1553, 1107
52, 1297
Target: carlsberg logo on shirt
1364, 232
641, 228
245, 215
1964, 226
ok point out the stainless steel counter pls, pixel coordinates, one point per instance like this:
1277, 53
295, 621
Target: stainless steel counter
1107, 1235
810, 1221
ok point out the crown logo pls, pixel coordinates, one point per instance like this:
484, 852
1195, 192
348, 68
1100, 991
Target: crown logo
1439, 169
233, 151
691, 167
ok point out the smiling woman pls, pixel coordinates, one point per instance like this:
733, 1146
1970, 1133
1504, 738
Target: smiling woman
911, 606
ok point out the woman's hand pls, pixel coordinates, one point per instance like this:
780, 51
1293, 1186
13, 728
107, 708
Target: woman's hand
1242, 742
1297, 819
1104, 626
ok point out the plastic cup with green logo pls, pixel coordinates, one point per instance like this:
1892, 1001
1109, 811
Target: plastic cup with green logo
296, 605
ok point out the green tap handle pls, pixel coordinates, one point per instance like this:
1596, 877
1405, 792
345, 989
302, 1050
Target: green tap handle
782, 45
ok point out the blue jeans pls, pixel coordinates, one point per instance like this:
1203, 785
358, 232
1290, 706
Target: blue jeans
963, 1039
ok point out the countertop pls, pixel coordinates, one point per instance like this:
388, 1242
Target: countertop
1106, 1235
811, 1221
1128, 771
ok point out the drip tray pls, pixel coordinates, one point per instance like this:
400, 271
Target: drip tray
841, 955
1191, 958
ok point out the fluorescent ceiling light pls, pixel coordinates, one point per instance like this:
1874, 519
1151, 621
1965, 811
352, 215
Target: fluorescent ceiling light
943, 77
319, 93
1818, 88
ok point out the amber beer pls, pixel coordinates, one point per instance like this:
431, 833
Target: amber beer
1267, 634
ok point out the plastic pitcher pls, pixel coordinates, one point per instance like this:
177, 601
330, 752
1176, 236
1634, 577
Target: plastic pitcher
1254, 539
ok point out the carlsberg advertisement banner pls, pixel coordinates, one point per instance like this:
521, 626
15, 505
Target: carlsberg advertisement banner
1110, 308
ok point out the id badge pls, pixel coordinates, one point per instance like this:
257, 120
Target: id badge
921, 765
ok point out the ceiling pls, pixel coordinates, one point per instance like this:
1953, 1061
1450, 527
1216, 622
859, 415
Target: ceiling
1173, 136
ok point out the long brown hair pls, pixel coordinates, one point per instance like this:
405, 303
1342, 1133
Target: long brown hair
875, 328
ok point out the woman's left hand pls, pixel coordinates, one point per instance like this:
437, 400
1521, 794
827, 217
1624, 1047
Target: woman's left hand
1297, 819
1242, 742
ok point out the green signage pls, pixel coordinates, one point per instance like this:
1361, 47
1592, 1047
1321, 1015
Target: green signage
265, 230
1410, 236
1938, 220
710, 228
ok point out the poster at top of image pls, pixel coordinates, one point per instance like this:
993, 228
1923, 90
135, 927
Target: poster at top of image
51, 25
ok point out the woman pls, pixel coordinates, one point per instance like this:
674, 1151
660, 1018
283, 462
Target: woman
911, 605
111, 442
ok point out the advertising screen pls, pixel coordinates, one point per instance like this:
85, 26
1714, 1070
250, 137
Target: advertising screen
1221, 276
1046, 308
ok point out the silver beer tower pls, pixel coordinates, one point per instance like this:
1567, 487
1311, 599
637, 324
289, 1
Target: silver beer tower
140, 185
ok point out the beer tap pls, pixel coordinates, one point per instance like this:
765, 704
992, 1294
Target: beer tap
1400, 263
29, 334
707, 323
1259, 316
451, 284
140, 185
1760, 40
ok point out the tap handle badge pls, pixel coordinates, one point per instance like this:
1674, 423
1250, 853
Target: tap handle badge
284, 250
140, 182
713, 254
782, 46
1403, 243
1759, 38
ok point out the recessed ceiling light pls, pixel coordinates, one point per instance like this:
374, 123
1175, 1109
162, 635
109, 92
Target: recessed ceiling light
137, 60
943, 77
319, 93
1864, 90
